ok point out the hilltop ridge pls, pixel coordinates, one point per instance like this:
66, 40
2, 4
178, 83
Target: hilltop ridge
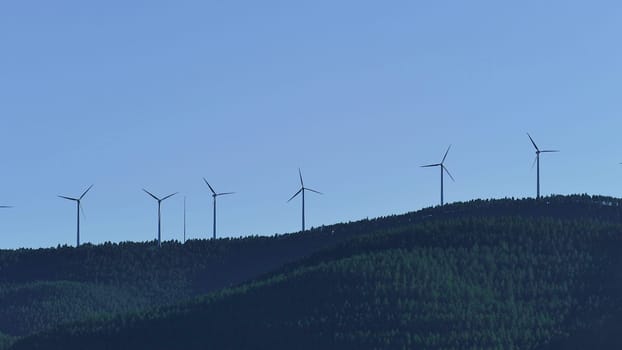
129, 278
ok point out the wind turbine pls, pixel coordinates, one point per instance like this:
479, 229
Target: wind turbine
78, 208
537, 160
443, 168
214, 196
160, 200
302, 190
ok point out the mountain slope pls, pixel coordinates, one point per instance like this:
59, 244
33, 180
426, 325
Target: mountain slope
40, 304
43, 287
469, 283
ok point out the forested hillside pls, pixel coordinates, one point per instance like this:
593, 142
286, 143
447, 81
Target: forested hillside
44, 287
482, 275
40, 288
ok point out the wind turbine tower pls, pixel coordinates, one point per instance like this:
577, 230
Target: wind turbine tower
214, 196
537, 161
443, 169
78, 209
302, 191
160, 200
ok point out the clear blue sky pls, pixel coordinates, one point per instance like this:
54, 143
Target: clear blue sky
359, 94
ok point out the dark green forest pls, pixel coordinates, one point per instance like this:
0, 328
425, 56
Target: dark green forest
495, 274
43, 287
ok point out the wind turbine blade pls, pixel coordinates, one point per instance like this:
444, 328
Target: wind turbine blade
550, 151
448, 173
85, 192
81, 209
308, 189
430, 165
151, 194
294, 196
534, 162
445, 156
533, 142
5, 206
210, 187
300, 174
224, 193
169, 196
69, 198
